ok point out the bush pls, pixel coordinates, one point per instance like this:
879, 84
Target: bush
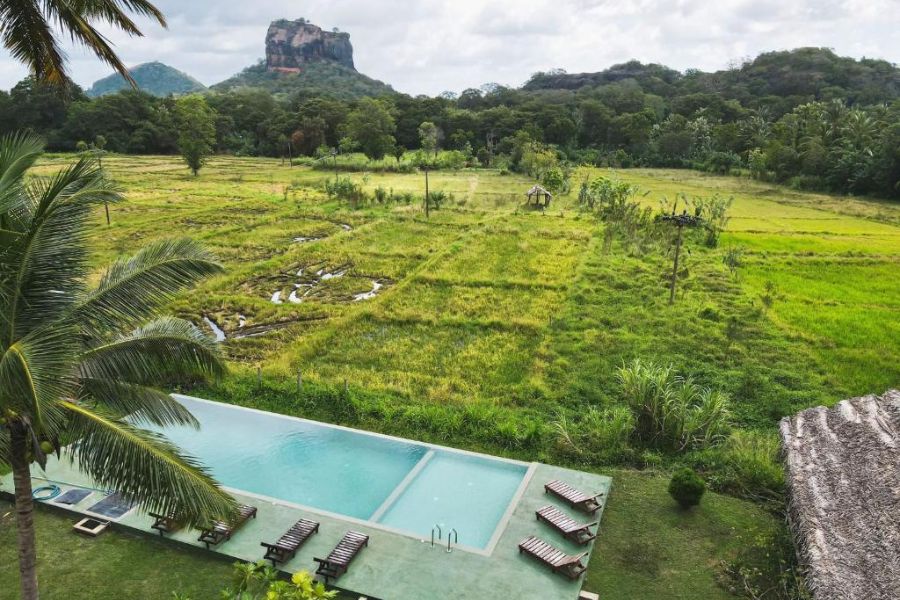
598, 437
438, 199
252, 581
343, 188
747, 466
672, 412
687, 488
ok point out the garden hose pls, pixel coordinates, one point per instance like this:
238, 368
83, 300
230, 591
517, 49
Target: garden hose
47, 492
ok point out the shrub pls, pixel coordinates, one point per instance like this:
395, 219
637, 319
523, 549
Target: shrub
438, 199
714, 212
404, 197
747, 466
672, 412
257, 581
710, 313
599, 436
343, 188
733, 259
451, 159
687, 488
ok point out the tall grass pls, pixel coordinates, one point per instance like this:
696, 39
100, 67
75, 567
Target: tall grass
672, 412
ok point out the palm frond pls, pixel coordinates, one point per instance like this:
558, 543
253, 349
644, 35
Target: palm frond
154, 353
34, 374
48, 261
18, 153
28, 37
132, 289
141, 404
26, 32
4, 448
144, 467
73, 18
113, 12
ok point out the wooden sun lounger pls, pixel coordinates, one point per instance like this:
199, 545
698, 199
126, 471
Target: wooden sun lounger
165, 523
222, 531
574, 498
580, 533
338, 560
287, 545
556, 559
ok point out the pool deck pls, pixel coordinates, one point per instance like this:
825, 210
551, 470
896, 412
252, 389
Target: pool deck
395, 566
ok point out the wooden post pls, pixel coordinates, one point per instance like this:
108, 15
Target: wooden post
105, 204
299, 381
346, 388
258, 378
426, 192
675, 266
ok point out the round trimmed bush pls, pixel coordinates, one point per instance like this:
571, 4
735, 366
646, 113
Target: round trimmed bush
687, 487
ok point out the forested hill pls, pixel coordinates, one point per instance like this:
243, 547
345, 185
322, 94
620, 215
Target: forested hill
326, 79
807, 118
155, 78
778, 79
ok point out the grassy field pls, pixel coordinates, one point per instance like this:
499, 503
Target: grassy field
489, 306
484, 324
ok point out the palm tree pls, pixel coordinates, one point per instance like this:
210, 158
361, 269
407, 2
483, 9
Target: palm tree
26, 29
79, 363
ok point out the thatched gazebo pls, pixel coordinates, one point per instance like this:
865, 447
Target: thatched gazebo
843, 482
538, 196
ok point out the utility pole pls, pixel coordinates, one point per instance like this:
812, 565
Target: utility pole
426, 191
334, 154
680, 221
100, 165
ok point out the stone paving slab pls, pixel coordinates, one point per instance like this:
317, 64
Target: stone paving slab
393, 566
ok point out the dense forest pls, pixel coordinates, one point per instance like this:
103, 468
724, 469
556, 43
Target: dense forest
805, 117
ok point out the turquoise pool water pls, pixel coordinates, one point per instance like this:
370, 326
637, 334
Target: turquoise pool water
400, 484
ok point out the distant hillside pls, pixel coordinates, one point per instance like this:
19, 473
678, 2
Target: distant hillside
154, 78
302, 57
649, 76
316, 78
803, 74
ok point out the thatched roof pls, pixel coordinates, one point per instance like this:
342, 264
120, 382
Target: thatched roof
843, 475
538, 191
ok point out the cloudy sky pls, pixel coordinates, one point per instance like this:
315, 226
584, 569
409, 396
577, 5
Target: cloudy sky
428, 46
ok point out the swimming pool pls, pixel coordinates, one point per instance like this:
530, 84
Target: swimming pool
397, 484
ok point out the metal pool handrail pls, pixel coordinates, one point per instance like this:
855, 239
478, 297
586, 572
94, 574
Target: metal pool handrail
440, 534
455, 535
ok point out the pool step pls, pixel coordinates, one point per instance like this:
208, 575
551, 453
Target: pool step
401, 487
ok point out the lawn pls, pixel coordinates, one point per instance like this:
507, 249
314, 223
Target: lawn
486, 324
113, 566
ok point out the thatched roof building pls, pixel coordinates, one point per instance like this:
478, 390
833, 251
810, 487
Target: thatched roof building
843, 475
539, 195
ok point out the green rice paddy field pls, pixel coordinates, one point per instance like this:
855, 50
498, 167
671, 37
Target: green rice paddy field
489, 322
485, 304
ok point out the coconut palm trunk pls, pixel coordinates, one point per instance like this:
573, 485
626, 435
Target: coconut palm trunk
27, 548
81, 365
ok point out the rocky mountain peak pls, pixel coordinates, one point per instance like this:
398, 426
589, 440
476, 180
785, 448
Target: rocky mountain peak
292, 44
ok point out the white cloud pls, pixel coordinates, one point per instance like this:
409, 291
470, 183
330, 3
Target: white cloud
427, 46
